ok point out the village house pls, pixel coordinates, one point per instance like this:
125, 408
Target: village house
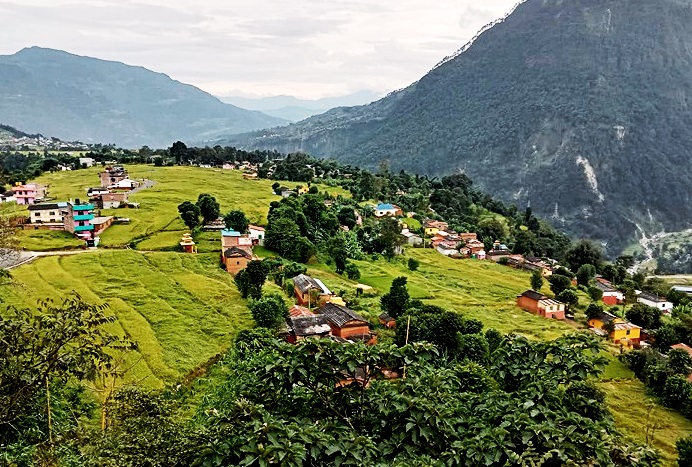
47, 216
112, 200
432, 227
611, 296
447, 249
655, 301
86, 161
125, 184
410, 238
235, 259
112, 175
309, 291
101, 223
7, 197
95, 193
621, 331
29, 193
257, 234
217, 224
387, 210
473, 249
386, 320
78, 219
498, 251
302, 323
232, 238
285, 193
539, 304
346, 323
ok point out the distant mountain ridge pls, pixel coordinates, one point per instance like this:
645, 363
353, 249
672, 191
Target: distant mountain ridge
96, 101
580, 108
294, 109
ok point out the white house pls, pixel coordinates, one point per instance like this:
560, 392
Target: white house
48, 213
446, 249
383, 210
125, 184
657, 302
7, 198
256, 234
86, 161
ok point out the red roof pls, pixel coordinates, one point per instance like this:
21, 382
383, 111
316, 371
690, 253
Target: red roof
297, 310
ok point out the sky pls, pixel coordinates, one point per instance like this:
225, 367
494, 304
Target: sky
304, 48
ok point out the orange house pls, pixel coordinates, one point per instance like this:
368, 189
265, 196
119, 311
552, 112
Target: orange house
235, 259
345, 323
541, 305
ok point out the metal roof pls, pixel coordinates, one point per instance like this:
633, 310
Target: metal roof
339, 315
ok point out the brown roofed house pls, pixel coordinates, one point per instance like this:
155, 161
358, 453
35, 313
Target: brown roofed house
345, 322
541, 305
301, 327
309, 291
235, 259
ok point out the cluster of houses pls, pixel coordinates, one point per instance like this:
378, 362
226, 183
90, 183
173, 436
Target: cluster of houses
320, 313
77, 216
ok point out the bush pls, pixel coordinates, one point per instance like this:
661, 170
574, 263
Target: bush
352, 271
269, 311
684, 447
413, 264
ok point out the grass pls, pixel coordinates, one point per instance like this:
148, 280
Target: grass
48, 240
180, 309
156, 223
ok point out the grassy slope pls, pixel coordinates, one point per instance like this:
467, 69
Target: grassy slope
182, 309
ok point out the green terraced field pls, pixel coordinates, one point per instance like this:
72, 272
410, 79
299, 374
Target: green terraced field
180, 309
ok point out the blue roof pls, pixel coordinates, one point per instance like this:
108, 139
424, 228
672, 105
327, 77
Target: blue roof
230, 233
382, 207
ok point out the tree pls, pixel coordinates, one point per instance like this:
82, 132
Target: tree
585, 398
585, 274
645, 316
413, 264
257, 273
190, 214
679, 362
178, 151
593, 310
684, 447
569, 297
242, 281
558, 283
236, 220
269, 311
472, 347
46, 346
395, 302
595, 293
536, 280
9, 243
666, 336
208, 207
352, 271
347, 217
584, 252
338, 253
388, 237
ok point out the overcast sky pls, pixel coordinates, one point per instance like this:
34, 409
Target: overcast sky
305, 48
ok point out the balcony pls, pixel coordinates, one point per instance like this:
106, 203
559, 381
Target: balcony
82, 228
83, 207
83, 217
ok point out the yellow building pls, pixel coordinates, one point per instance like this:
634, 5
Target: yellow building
301, 190
619, 330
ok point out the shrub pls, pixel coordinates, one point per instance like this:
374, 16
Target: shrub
413, 264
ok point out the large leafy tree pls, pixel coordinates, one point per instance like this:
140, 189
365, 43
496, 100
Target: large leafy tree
190, 214
236, 220
269, 311
208, 207
395, 302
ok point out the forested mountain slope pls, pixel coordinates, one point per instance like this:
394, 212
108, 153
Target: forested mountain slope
580, 107
96, 101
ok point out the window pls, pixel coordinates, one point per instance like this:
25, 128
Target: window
628, 332
37, 214
51, 213
237, 262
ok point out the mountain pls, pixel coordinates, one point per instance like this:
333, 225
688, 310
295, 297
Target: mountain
80, 98
293, 109
580, 108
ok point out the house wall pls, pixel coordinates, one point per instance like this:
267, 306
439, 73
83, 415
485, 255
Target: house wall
620, 334
527, 304
663, 306
348, 331
235, 265
552, 314
610, 300
46, 216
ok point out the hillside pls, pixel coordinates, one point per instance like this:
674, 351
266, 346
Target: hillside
580, 108
80, 98
183, 309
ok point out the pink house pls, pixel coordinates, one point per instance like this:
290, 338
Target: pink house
29, 193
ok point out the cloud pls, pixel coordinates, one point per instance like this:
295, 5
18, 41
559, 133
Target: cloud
307, 48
